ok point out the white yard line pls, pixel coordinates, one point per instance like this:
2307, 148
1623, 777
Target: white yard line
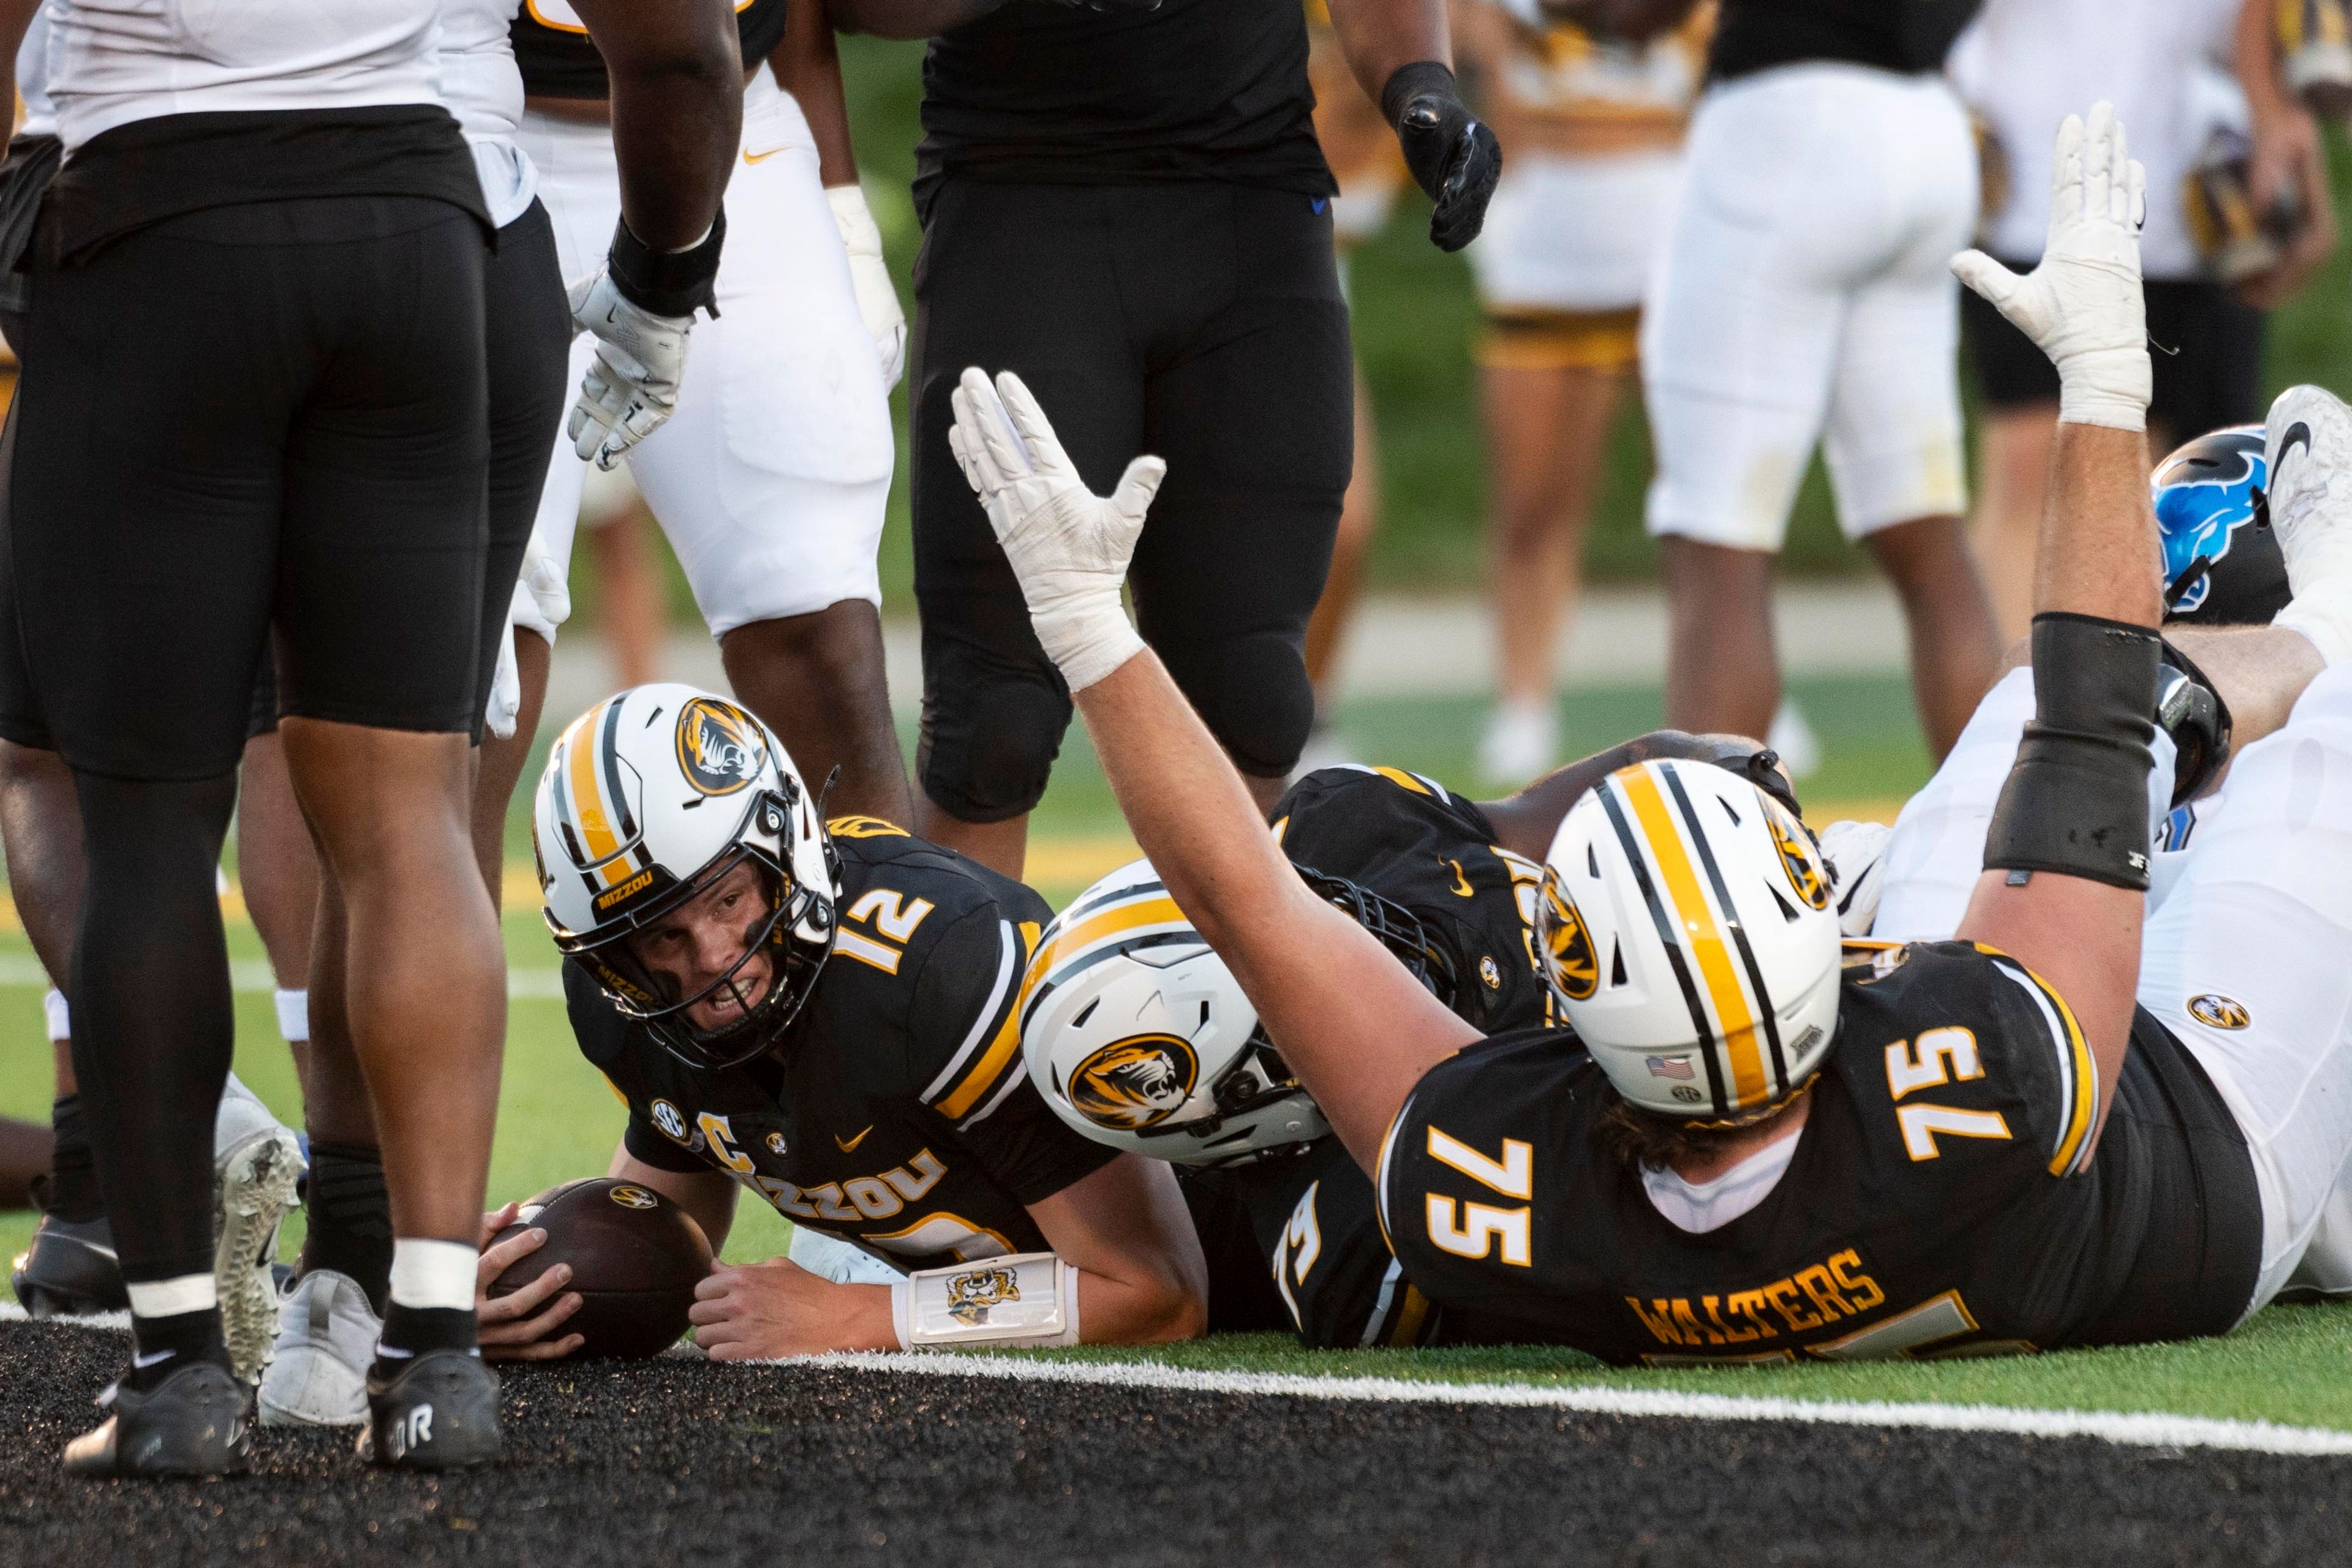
252, 976
2136, 1430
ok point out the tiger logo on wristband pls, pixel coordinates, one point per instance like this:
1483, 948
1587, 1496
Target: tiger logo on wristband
970, 1296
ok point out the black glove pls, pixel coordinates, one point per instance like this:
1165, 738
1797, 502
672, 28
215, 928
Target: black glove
1455, 158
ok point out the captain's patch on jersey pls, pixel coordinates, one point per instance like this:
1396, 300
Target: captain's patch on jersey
1135, 1082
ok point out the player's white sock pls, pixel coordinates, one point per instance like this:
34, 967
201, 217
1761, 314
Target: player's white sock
433, 1276
59, 1016
170, 1298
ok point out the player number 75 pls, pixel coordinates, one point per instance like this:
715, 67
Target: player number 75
1475, 1230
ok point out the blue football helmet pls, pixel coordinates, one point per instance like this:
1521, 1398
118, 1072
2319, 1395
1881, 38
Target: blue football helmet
2222, 562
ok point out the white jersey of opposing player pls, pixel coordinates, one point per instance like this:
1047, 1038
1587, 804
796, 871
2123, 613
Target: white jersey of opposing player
33, 78
483, 88
115, 61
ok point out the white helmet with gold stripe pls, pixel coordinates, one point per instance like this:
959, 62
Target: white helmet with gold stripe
1685, 926
1139, 1037
652, 796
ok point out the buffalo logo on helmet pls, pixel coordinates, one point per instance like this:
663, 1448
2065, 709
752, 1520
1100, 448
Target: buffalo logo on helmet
721, 748
634, 1198
2204, 494
1135, 1082
2219, 1011
1798, 857
971, 1295
1566, 946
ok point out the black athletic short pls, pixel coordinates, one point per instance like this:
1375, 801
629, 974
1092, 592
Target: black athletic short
1198, 321
2207, 346
406, 679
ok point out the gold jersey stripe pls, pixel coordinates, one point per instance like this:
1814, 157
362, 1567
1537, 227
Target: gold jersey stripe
2085, 1106
1703, 935
1002, 1050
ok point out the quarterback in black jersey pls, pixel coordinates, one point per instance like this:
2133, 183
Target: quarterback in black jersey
824, 1016
2026, 1138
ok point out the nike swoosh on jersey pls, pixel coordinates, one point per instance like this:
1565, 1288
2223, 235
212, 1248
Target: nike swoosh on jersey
852, 1145
1462, 888
761, 157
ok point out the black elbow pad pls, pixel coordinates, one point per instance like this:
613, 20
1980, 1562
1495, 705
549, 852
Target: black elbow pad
2076, 799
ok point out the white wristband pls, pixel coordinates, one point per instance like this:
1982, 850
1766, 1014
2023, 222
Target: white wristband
1085, 636
59, 1016
2107, 386
1028, 1299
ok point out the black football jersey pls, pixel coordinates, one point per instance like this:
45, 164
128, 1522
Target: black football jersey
1944, 1196
1294, 1242
1417, 844
897, 1114
558, 58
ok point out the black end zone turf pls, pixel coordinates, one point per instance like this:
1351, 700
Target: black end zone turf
632, 1465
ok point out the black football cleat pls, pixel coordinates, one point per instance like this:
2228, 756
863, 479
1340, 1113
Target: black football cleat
69, 1270
440, 1411
191, 1424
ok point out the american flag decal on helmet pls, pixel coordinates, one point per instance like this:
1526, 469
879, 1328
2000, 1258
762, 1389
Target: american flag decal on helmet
1670, 1066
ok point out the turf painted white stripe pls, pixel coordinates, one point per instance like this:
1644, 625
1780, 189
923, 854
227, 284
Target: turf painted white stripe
2145, 1431
252, 976
10, 1312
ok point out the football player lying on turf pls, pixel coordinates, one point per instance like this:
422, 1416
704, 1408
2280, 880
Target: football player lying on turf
1955, 1147
823, 1013
1139, 1037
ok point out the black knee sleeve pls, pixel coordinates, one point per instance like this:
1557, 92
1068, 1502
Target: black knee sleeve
989, 738
153, 1021
1253, 692
2076, 799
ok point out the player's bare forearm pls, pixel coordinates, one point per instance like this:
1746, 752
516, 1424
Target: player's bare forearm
765, 1311
807, 64
2098, 553
1127, 1231
677, 111
707, 1195
1359, 1030
1379, 36
907, 19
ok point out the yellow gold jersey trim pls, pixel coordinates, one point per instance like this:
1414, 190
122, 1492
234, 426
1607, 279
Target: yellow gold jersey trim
2073, 1151
1005, 1047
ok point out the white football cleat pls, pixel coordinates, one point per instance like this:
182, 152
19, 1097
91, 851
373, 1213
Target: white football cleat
326, 1338
256, 1162
2307, 465
1856, 853
1521, 740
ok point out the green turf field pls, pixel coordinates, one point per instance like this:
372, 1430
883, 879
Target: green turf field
557, 1120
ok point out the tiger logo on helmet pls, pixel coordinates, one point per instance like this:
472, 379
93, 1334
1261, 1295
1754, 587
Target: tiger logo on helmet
1135, 1082
1565, 944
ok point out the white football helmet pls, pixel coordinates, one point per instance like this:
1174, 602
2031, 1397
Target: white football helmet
1685, 927
648, 798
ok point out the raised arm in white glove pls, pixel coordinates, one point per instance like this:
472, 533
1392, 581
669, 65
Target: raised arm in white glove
2082, 305
869, 274
630, 387
1068, 546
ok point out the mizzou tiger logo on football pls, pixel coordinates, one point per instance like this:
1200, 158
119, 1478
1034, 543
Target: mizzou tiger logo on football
721, 748
1566, 946
2218, 1012
1797, 858
1135, 1082
634, 1198
970, 1296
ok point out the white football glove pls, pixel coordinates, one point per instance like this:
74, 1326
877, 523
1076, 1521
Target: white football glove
506, 687
877, 297
630, 387
2082, 304
541, 594
1070, 547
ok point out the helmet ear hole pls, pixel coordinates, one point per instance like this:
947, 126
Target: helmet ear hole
1079, 1022
1617, 963
1787, 910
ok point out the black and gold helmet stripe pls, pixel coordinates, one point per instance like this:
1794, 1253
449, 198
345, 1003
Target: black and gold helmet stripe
1670, 938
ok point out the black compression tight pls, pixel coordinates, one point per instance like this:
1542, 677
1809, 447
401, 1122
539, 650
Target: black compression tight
155, 1027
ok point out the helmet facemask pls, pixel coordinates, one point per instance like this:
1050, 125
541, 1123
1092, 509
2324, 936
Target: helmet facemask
784, 927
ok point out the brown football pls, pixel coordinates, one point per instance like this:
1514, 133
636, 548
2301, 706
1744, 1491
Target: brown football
635, 1258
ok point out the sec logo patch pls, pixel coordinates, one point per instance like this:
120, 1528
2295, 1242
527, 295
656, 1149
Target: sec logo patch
2216, 1011
667, 1118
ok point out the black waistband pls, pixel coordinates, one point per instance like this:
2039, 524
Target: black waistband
150, 170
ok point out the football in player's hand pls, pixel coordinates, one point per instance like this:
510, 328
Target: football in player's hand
635, 1258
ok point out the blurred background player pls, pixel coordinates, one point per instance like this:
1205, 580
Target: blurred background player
1362, 149
2022, 66
632, 609
1594, 120
1805, 297
1159, 255
772, 477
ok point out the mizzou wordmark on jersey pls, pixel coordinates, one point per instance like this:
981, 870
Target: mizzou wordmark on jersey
1294, 1241
1945, 1196
896, 1112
